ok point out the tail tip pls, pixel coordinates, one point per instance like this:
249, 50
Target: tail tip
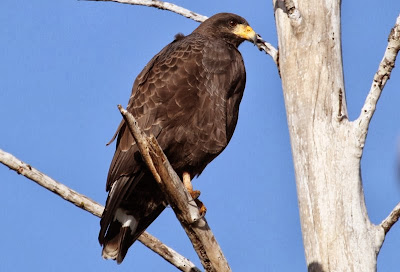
117, 239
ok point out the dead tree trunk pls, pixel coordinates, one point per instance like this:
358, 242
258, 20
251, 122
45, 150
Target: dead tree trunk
326, 146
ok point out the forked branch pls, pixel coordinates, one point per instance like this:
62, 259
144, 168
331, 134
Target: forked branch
196, 227
380, 79
93, 207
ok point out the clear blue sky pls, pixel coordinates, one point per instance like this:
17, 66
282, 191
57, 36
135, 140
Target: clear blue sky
65, 65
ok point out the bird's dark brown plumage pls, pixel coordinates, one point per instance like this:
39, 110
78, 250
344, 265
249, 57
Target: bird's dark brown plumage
187, 96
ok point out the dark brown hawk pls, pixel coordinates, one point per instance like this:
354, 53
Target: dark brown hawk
188, 97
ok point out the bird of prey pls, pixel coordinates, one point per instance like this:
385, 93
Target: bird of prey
188, 97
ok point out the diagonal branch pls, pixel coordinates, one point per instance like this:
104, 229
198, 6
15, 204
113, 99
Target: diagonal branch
93, 207
196, 227
161, 5
169, 182
380, 79
392, 218
50, 184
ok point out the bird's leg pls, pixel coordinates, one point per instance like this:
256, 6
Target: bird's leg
194, 193
188, 185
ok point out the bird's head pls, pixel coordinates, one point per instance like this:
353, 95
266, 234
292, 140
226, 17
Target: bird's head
228, 26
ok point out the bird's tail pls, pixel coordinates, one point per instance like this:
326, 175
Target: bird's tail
121, 234
131, 207
123, 231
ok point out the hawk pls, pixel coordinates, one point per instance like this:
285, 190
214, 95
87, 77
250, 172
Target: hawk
188, 97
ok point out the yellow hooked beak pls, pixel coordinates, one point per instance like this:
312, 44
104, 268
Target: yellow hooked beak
245, 32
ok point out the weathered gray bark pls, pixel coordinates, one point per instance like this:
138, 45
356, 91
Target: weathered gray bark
326, 146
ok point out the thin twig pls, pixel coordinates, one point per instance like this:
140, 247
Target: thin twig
199, 232
161, 5
392, 218
91, 206
380, 79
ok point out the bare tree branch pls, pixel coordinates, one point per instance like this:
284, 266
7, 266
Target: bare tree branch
268, 48
161, 5
169, 182
93, 207
380, 79
167, 253
198, 231
50, 184
392, 218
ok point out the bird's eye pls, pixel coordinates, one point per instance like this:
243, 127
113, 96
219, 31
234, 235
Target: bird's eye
232, 23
